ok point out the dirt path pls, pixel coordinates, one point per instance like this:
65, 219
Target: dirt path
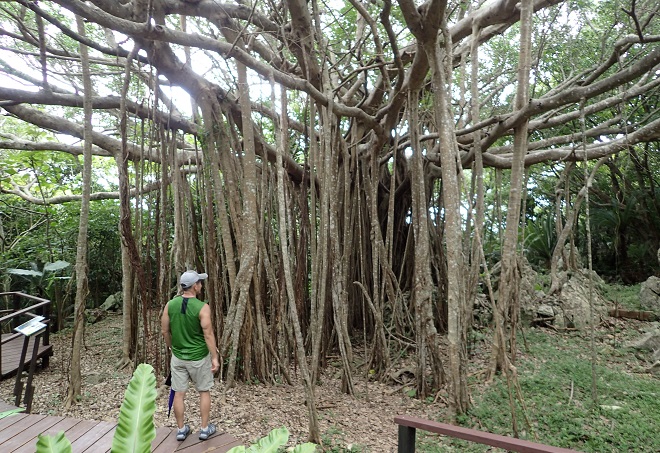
363, 423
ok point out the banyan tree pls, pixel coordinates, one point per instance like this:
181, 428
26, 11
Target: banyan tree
324, 162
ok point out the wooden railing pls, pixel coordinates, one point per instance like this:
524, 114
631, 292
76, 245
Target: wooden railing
40, 308
408, 426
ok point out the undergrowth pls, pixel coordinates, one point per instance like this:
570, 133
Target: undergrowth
624, 297
555, 377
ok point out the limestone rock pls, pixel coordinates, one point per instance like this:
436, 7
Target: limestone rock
649, 295
650, 341
112, 303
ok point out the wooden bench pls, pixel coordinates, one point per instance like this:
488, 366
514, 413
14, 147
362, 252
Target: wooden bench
408, 426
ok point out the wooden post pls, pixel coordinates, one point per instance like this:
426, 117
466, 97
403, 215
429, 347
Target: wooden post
18, 387
17, 306
44, 311
29, 389
406, 439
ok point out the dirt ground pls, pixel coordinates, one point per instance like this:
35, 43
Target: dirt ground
247, 411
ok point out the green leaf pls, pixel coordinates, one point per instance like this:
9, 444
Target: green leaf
308, 447
53, 444
272, 442
239, 449
56, 266
25, 272
135, 428
11, 412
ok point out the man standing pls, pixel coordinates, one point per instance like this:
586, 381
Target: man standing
186, 326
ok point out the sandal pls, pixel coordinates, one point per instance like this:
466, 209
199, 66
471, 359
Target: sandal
181, 435
208, 432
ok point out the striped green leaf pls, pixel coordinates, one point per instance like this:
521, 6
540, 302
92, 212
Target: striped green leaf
53, 444
135, 428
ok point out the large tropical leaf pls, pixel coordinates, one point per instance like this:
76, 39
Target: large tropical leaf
53, 444
11, 412
56, 266
135, 428
308, 447
272, 443
25, 272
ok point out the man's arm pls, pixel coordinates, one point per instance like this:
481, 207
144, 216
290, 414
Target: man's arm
209, 337
165, 327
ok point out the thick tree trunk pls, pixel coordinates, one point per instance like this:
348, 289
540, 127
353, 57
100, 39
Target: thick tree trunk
426, 334
241, 293
451, 169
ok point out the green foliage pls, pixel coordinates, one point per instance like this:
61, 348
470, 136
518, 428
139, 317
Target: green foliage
272, 442
555, 379
11, 412
135, 428
540, 240
53, 444
42, 281
41, 235
623, 296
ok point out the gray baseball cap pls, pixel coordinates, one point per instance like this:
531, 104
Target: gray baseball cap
189, 278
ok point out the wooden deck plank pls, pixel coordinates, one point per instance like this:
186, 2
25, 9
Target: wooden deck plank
217, 443
104, 444
11, 355
6, 406
79, 429
161, 435
28, 435
19, 433
92, 436
6, 422
169, 444
63, 425
18, 426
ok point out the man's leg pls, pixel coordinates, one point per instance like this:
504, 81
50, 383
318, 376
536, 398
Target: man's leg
205, 407
179, 407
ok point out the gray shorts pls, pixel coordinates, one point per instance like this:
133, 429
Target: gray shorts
199, 371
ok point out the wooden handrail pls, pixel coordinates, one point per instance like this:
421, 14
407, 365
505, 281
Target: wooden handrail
41, 307
42, 303
408, 425
27, 296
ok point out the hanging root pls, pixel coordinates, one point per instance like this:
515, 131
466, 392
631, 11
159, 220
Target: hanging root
123, 363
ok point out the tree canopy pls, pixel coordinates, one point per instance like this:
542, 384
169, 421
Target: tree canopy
339, 168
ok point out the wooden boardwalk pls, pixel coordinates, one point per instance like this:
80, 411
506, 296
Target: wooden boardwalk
11, 354
19, 433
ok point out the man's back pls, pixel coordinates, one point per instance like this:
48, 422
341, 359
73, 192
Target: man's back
187, 334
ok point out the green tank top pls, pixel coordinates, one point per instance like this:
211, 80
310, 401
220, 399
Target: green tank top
186, 329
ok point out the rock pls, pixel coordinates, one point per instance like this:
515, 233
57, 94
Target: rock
650, 341
94, 378
612, 408
112, 303
574, 300
94, 316
656, 356
649, 295
655, 368
545, 311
